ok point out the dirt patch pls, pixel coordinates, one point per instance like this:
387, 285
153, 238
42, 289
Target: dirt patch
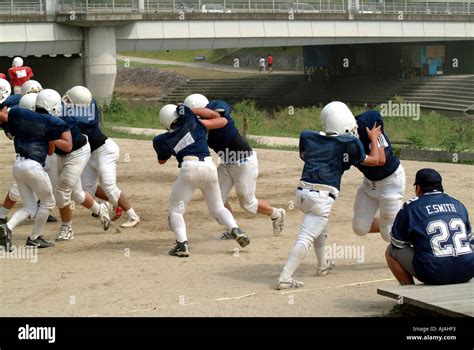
146, 82
128, 272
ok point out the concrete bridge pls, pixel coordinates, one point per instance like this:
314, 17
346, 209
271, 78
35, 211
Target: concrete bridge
78, 40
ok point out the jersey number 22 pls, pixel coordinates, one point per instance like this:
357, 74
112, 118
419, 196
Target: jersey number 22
442, 232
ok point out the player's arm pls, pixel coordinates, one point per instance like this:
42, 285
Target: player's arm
400, 235
162, 151
11, 75
377, 154
51, 147
64, 143
215, 123
206, 113
4, 115
301, 146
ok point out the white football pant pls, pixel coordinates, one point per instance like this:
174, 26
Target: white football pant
385, 195
202, 175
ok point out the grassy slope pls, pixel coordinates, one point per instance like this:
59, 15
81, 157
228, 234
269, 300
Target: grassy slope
193, 73
181, 55
431, 131
223, 56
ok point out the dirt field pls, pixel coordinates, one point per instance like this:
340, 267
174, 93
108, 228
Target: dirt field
128, 272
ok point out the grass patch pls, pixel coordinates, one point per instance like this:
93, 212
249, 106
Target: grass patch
181, 55
119, 113
190, 72
432, 130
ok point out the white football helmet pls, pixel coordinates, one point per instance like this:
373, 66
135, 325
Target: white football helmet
31, 86
337, 119
17, 62
50, 100
196, 101
168, 115
29, 101
5, 90
78, 95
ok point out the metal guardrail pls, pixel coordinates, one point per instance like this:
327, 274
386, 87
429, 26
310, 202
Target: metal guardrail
16, 7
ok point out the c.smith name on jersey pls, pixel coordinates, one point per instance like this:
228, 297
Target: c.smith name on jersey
441, 208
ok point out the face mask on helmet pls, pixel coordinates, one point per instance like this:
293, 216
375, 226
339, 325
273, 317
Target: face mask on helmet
5, 90
78, 96
31, 86
169, 116
50, 101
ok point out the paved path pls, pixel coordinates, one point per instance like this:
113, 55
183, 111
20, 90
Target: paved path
201, 65
266, 140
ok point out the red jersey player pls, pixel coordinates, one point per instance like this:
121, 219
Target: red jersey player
19, 74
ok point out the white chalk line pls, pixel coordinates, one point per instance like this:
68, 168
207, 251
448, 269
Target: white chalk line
340, 286
292, 291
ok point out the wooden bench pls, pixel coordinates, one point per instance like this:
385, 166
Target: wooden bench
450, 300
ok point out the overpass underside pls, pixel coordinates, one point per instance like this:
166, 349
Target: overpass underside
92, 40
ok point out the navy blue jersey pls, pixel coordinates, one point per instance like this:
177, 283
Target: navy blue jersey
33, 131
11, 101
326, 158
78, 139
438, 228
227, 139
187, 139
375, 173
88, 121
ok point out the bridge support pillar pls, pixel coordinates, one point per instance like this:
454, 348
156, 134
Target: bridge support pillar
141, 6
100, 61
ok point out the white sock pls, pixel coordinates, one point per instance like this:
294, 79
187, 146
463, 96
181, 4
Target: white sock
3, 213
131, 213
17, 219
225, 217
95, 208
275, 213
320, 250
297, 255
68, 223
40, 220
178, 226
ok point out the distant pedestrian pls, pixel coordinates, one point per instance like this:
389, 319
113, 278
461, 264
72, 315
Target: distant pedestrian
270, 63
261, 64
